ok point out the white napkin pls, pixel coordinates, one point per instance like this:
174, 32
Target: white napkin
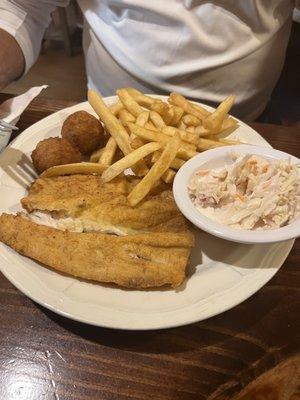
11, 110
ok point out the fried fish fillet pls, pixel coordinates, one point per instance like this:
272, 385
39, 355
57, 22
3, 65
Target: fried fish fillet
85, 204
134, 261
75, 217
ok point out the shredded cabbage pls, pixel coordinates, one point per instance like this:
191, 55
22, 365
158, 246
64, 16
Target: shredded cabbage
251, 193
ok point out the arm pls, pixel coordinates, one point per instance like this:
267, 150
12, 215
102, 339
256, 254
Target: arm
12, 60
22, 26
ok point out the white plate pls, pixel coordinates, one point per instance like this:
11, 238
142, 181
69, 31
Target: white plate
224, 273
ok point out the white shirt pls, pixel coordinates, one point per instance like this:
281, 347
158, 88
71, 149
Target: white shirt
204, 50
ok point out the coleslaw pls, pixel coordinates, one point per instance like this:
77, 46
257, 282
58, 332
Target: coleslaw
251, 193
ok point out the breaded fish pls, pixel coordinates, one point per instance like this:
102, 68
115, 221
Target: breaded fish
134, 261
83, 203
69, 228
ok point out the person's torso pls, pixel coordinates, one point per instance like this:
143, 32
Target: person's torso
185, 44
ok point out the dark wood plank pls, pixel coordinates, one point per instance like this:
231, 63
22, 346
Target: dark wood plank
247, 352
281, 137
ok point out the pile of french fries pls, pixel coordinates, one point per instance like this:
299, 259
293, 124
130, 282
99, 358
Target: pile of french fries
155, 137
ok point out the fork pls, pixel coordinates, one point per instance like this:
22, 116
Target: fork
6, 127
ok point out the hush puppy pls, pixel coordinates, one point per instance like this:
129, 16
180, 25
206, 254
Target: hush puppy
84, 131
54, 151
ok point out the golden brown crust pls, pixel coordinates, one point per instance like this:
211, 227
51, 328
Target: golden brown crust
84, 131
135, 261
54, 151
86, 197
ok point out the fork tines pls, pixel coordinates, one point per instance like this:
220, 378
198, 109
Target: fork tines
6, 127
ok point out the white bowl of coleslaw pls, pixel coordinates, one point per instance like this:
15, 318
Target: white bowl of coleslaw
244, 193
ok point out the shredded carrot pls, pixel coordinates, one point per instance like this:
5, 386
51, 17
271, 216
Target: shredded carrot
265, 168
202, 172
240, 197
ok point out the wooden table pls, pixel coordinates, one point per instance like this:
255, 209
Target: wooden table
248, 353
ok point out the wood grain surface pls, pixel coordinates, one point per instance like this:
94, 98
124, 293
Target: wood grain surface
248, 353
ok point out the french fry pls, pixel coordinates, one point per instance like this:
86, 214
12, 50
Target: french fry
191, 120
215, 120
184, 135
140, 97
157, 170
229, 125
159, 106
156, 136
137, 142
164, 110
116, 108
108, 153
168, 176
190, 129
96, 155
157, 119
201, 131
125, 116
112, 124
186, 154
155, 156
142, 118
182, 126
180, 101
206, 144
168, 115
141, 168
224, 141
201, 109
230, 142
223, 133
175, 164
84, 168
178, 113
129, 102
129, 160
186, 150
148, 134
150, 126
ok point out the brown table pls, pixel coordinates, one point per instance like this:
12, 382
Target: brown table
250, 352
